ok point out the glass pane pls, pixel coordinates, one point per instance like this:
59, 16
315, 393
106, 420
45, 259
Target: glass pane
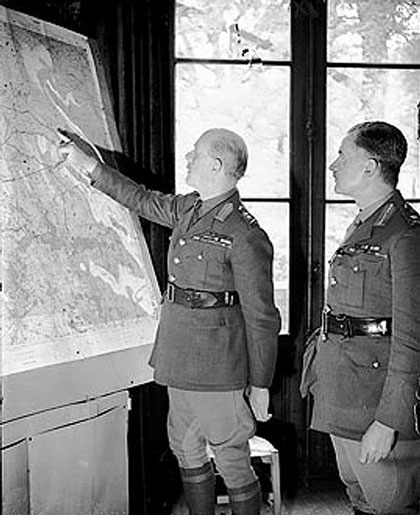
233, 29
374, 31
254, 102
274, 219
355, 95
337, 218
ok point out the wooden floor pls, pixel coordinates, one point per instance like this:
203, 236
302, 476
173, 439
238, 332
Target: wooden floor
319, 499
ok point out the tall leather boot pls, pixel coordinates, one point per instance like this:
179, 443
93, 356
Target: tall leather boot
199, 489
246, 500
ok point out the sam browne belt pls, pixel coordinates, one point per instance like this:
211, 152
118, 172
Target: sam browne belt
349, 326
196, 299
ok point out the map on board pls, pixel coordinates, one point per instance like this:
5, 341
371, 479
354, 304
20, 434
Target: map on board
77, 279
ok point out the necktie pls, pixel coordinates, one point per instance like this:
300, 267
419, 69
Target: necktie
353, 226
196, 212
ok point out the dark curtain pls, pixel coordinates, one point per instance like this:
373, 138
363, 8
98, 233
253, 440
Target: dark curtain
135, 39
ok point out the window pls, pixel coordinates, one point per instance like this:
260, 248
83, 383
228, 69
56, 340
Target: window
254, 65
221, 81
373, 73
233, 69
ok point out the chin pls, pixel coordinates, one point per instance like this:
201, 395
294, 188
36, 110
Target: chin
338, 190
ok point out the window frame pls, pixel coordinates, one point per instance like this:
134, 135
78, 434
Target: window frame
281, 63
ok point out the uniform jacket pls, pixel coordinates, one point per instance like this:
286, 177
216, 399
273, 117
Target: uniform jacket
222, 348
374, 273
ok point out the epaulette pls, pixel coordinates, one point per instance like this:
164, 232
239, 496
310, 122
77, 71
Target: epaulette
386, 215
224, 212
410, 214
246, 215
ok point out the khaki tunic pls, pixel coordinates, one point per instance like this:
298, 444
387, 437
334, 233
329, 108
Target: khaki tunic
374, 273
216, 349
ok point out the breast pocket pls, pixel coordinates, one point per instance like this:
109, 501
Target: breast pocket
354, 276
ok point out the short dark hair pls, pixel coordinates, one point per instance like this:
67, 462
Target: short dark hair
386, 143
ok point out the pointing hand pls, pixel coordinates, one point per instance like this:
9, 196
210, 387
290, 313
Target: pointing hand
76, 152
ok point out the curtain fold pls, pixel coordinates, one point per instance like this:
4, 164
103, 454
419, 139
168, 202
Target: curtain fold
135, 38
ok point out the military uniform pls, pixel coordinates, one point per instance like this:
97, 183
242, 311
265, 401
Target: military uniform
205, 347
224, 251
366, 361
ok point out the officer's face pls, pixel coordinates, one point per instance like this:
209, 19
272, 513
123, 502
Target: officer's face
349, 168
199, 164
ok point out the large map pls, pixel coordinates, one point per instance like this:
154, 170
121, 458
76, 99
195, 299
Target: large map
77, 277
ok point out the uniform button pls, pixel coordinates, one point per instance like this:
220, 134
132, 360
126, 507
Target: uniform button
376, 364
176, 260
171, 278
356, 268
333, 281
200, 256
182, 242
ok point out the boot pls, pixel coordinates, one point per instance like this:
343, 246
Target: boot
246, 500
199, 489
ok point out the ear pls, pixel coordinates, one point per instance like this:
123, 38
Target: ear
372, 167
217, 165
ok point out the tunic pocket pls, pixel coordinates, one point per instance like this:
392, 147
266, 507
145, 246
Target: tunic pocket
352, 277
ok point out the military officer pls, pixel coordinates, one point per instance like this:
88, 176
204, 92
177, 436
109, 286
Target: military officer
363, 371
217, 336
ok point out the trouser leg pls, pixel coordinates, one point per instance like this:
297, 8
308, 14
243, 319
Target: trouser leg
391, 486
199, 489
246, 500
223, 420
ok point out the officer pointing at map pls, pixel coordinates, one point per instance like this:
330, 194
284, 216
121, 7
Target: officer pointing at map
216, 344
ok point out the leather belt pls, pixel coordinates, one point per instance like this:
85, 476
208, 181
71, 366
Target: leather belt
196, 299
349, 326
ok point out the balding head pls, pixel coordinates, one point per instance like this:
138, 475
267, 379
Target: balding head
229, 148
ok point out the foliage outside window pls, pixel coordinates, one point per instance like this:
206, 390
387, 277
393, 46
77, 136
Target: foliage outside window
373, 73
233, 71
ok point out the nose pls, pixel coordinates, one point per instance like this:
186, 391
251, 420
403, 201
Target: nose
332, 166
188, 156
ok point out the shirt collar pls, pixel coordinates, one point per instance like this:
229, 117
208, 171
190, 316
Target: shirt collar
212, 202
368, 210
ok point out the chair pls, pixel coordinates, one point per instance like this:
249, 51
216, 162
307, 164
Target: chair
261, 448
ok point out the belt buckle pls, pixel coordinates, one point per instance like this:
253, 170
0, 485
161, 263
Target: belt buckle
324, 322
229, 298
193, 299
170, 293
377, 329
345, 324
383, 327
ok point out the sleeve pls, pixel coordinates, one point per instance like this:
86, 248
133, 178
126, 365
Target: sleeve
404, 362
252, 264
161, 208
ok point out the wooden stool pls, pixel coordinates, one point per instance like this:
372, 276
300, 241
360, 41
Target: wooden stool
261, 448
